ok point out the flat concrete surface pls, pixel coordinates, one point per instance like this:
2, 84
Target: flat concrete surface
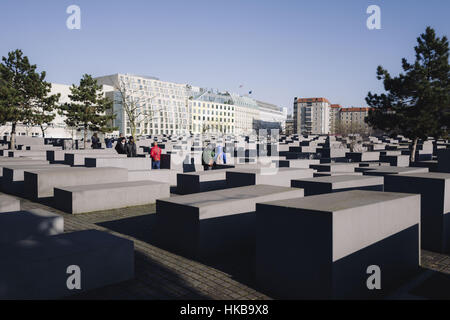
209, 175
333, 202
231, 201
347, 181
390, 170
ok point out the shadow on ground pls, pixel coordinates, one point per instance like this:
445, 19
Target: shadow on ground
239, 263
152, 281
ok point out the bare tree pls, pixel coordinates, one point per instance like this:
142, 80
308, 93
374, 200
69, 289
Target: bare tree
354, 132
133, 103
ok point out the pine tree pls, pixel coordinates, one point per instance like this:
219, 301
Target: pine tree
417, 102
18, 78
89, 109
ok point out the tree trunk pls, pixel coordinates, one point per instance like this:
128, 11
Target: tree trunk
13, 137
133, 131
84, 138
43, 131
413, 152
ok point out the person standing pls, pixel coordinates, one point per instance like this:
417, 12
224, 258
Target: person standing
208, 157
155, 153
220, 156
108, 142
121, 147
131, 148
95, 142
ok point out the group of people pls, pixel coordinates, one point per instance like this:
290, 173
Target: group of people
129, 148
213, 156
126, 147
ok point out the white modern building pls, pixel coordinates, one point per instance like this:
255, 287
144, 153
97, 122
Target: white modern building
270, 116
162, 107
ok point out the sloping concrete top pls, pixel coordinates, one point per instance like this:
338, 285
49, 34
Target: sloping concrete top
335, 202
111, 185
274, 171
395, 170
234, 200
347, 181
429, 175
72, 170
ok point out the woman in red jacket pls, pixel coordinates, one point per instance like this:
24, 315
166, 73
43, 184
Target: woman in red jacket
155, 153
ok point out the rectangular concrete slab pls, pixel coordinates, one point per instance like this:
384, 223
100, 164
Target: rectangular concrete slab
161, 175
434, 188
335, 167
96, 197
383, 171
320, 247
40, 183
339, 183
270, 176
127, 163
296, 163
213, 222
41, 268
194, 182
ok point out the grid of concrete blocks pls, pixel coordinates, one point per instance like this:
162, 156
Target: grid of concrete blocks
285, 217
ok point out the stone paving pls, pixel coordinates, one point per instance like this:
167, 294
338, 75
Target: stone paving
160, 274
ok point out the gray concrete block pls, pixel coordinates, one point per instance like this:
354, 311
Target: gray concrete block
434, 189
443, 157
13, 178
19, 161
122, 162
363, 156
328, 184
295, 163
40, 183
37, 269
319, 247
23, 225
396, 161
96, 197
161, 175
77, 159
204, 181
209, 223
383, 171
335, 167
270, 176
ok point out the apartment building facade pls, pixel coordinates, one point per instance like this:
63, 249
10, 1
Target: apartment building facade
311, 116
354, 118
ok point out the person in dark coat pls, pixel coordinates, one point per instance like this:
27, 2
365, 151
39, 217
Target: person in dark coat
108, 142
131, 148
121, 146
95, 142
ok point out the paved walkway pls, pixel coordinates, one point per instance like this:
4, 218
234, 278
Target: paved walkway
160, 274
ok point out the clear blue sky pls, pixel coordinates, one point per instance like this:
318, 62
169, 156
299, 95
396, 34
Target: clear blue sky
280, 49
